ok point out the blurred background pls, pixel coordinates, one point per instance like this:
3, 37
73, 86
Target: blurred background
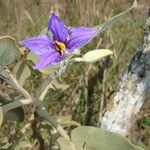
81, 96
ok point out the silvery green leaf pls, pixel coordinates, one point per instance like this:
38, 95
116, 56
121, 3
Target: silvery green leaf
9, 52
44, 31
94, 55
108, 23
92, 138
22, 72
65, 144
16, 114
76, 52
89, 138
116, 18
33, 57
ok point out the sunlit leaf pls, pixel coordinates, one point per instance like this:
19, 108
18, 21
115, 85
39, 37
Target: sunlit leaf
94, 55
97, 139
67, 121
48, 70
91, 138
60, 85
9, 52
64, 144
32, 56
22, 72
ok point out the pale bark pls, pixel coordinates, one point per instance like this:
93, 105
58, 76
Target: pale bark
133, 89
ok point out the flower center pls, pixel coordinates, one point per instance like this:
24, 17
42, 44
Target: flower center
60, 47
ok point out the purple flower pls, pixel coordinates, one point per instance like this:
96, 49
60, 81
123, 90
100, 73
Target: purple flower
63, 42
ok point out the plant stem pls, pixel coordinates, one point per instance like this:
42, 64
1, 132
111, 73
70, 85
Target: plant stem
15, 104
11, 80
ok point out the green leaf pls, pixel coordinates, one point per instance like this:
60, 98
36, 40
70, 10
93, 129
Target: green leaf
94, 55
16, 114
65, 144
108, 23
92, 138
145, 147
59, 84
45, 31
22, 72
49, 70
146, 121
116, 18
9, 52
67, 121
1, 116
5, 146
24, 142
33, 57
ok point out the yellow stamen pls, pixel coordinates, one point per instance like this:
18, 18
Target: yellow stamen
60, 47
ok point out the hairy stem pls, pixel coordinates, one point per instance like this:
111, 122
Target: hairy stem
11, 80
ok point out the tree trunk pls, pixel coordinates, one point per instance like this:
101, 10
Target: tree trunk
133, 89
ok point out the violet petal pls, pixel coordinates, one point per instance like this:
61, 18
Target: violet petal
40, 44
79, 36
58, 28
48, 59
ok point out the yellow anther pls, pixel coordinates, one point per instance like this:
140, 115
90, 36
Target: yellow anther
60, 47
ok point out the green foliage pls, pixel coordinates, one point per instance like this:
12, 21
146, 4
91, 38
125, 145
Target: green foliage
5, 146
45, 31
65, 144
22, 72
16, 114
91, 138
8, 50
145, 147
146, 121
116, 18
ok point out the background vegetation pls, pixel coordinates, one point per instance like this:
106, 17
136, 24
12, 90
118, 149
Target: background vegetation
84, 88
